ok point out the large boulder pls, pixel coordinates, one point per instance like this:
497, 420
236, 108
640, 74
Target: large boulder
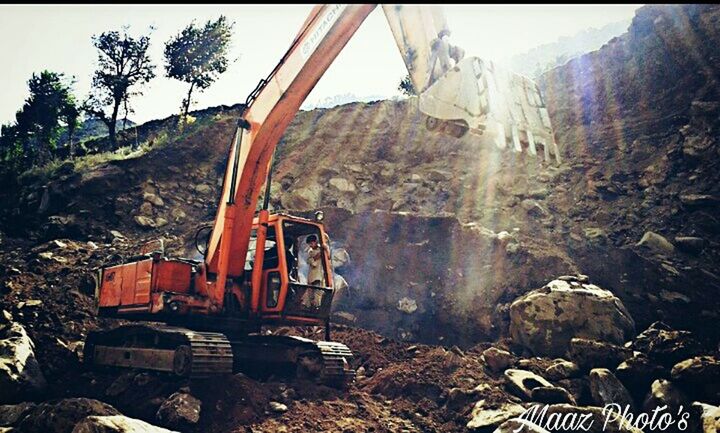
700, 377
666, 346
589, 354
664, 393
11, 414
562, 369
20, 375
179, 410
704, 418
62, 416
638, 373
656, 242
498, 360
116, 424
607, 389
522, 382
545, 320
485, 415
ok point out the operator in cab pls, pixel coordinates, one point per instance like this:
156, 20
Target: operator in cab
315, 274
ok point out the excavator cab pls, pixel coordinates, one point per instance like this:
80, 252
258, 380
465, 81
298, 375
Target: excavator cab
286, 295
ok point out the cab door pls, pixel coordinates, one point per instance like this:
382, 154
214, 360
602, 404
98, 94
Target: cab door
274, 272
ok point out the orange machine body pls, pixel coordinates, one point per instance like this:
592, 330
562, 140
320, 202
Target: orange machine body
161, 288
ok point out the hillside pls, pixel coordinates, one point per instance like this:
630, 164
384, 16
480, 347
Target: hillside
443, 237
547, 56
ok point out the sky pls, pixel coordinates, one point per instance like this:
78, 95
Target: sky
58, 38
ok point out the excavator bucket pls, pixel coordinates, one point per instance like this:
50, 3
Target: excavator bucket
485, 99
467, 94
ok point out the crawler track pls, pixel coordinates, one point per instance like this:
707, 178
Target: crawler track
198, 355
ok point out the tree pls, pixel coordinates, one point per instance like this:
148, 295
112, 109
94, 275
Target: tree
71, 114
33, 137
406, 86
198, 55
123, 62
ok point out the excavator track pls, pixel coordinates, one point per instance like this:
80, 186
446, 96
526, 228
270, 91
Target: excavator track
199, 355
323, 362
170, 349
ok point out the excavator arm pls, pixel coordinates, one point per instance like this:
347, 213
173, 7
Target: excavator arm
451, 88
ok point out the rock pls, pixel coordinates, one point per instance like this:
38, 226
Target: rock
144, 221
656, 243
666, 346
46, 255
637, 373
356, 168
562, 370
342, 184
533, 208
690, 244
594, 233
591, 354
522, 382
304, 198
517, 425
116, 424
179, 410
117, 234
203, 189
579, 388
340, 257
278, 407
153, 199
551, 395
704, 418
12, 414
605, 389
545, 320
62, 416
178, 215
484, 415
580, 278
437, 175
20, 375
146, 209
6, 318
120, 384
160, 222
498, 360
664, 393
699, 200
407, 305
458, 398
700, 377
668, 296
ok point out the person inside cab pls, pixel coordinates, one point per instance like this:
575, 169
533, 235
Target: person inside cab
315, 274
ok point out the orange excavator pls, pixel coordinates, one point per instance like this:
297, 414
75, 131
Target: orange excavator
202, 318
